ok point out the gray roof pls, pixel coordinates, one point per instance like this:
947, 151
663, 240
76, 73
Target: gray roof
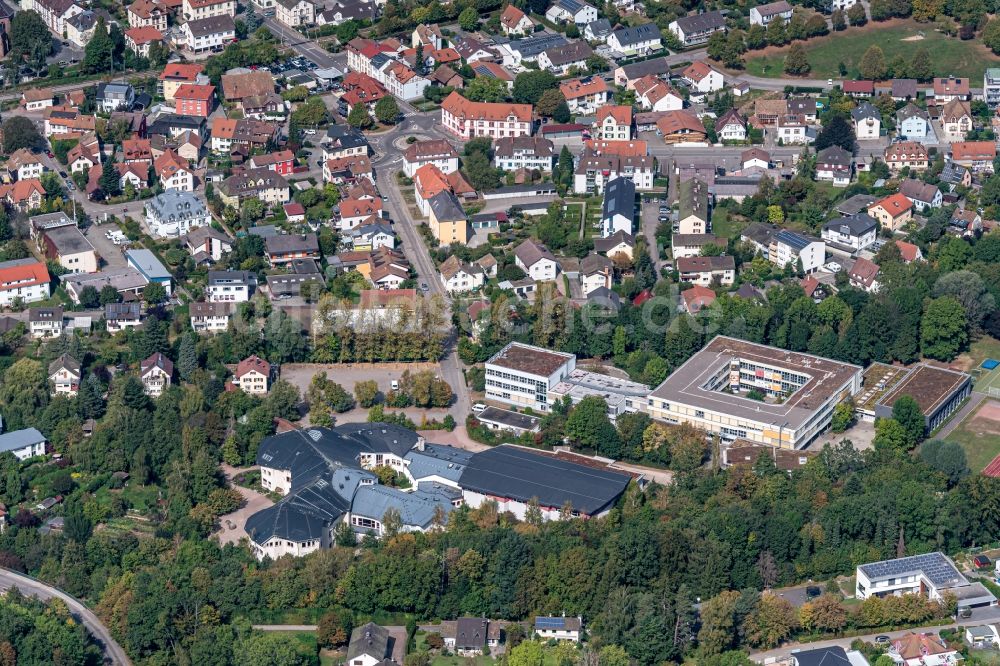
599, 28
692, 198
45, 314
509, 418
470, 633
594, 263
446, 206
834, 155
828, 656
147, 264
532, 46
371, 640
953, 173
865, 111
918, 190
520, 474
509, 146
176, 205
796, 241
909, 111
231, 277
619, 199
571, 6
607, 243
938, 569
212, 25
638, 34
122, 311
856, 204
65, 361
282, 243
68, 240
604, 298
701, 22
447, 462
530, 253
655, 66
416, 508
565, 54
307, 513
856, 225
19, 439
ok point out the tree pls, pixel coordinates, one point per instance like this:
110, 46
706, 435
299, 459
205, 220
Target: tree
387, 110
358, 116
481, 173
264, 649
856, 14
991, 35
843, 417
943, 329
909, 415
29, 38
838, 132
334, 628
825, 614
549, 102
890, 436
947, 458
110, 181
966, 286
718, 631
873, 64
187, 357
589, 427
99, 52
366, 393
486, 89
154, 293
528, 653
531, 85
19, 132
89, 297
927, 10
468, 19
796, 62
771, 622
90, 399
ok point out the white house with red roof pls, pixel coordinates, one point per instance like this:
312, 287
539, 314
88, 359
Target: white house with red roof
513, 21
24, 281
253, 375
703, 78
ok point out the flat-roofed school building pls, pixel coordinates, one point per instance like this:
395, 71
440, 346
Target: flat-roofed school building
522, 375
938, 391
710, 391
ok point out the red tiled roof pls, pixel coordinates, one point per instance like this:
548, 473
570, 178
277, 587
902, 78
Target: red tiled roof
460, 107
253, 363
195, 92
27, 275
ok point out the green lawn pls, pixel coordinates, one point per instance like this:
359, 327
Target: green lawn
724, 225
949, 55
980, 439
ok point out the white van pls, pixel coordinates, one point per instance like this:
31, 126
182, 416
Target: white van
478, 407
394, 384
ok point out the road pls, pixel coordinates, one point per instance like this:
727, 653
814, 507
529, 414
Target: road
304, 46
68, 87
31, 587
971, 405
285, 627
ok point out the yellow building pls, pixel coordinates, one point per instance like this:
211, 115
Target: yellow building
446, 219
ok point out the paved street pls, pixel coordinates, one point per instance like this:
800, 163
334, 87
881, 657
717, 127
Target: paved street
33, 588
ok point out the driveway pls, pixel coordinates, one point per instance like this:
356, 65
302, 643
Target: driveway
252, 503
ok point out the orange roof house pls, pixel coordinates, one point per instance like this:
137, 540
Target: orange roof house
697, 298
893, 211
973, 154
576, 88
461, 107
680, 127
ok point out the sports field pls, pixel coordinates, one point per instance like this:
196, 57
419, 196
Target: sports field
950, 56
979, 435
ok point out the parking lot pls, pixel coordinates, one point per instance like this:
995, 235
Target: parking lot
111, 253
348, 374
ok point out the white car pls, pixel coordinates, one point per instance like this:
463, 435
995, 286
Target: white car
833, 267
478, 407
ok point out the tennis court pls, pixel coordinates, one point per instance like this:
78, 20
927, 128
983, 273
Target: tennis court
988, 378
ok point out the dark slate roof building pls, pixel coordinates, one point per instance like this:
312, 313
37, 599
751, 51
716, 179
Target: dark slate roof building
638, 34
370, 640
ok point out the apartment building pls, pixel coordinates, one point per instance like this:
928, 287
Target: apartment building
522, 375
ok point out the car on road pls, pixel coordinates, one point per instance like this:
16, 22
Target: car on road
63, 174
424, 287
813, 591
49, 153
70, 185
882, 639
394, 385
833, 267
982, 562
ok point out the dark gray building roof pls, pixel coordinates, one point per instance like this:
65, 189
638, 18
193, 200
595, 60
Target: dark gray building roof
655, 66
284, 243
371, 640
65, 361
938, 569
447, 462
303, 515
532, 46
638, 34
794, 240
603, 297
68, 240
834, 155
565, 54
619, 199
520, 474
701, 22
599, 28
828, 656
212, 25
857, 224
865, 111
446, 206
470, 633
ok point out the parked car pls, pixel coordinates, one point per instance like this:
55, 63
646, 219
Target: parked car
812, 592
394, 385
882, 639
478, 407
982, 562
833, 267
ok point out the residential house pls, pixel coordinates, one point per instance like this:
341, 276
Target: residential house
281, 162
156, 373
121, 316
524, 152
893, 212
114, 97
174, 171
597, 31
955, 174
637, 40
613, 123
864, 275
54, 13
24, 195
731, 126
354, 212
470, 636
834, 164
494, 120
446, 218
24, 444
702, 78
23, 281
64, 375
948, 88
403, 82
909, 252
956, 117
596, 272
867, 122
513, 21
149, 267
24, 164
230, 286
148, 13
46, 322
253, 375
790, 248
764, 14
859, 89
211, 33
692, 245
286, 248
564, 11
693, 213
176, 74
991, 87
262, 184
793, 130
975, 155
618, 208
584, 95
923, 195
855, 232
912, 123
295, 13
200, 9
438, 152
617, 244
656, 95
85, 154
707, 271
697, 28
966, 219
562, 58
536, 261
459, 277
238, 87
175, 213
696, 299
755, 158
603, 161
66, 122
138, 40
37, 99
906, 154
210, 317
191, 99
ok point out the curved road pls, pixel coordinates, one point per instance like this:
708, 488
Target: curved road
33, 588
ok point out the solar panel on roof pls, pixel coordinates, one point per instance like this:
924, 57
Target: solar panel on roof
550, 622
935, 566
